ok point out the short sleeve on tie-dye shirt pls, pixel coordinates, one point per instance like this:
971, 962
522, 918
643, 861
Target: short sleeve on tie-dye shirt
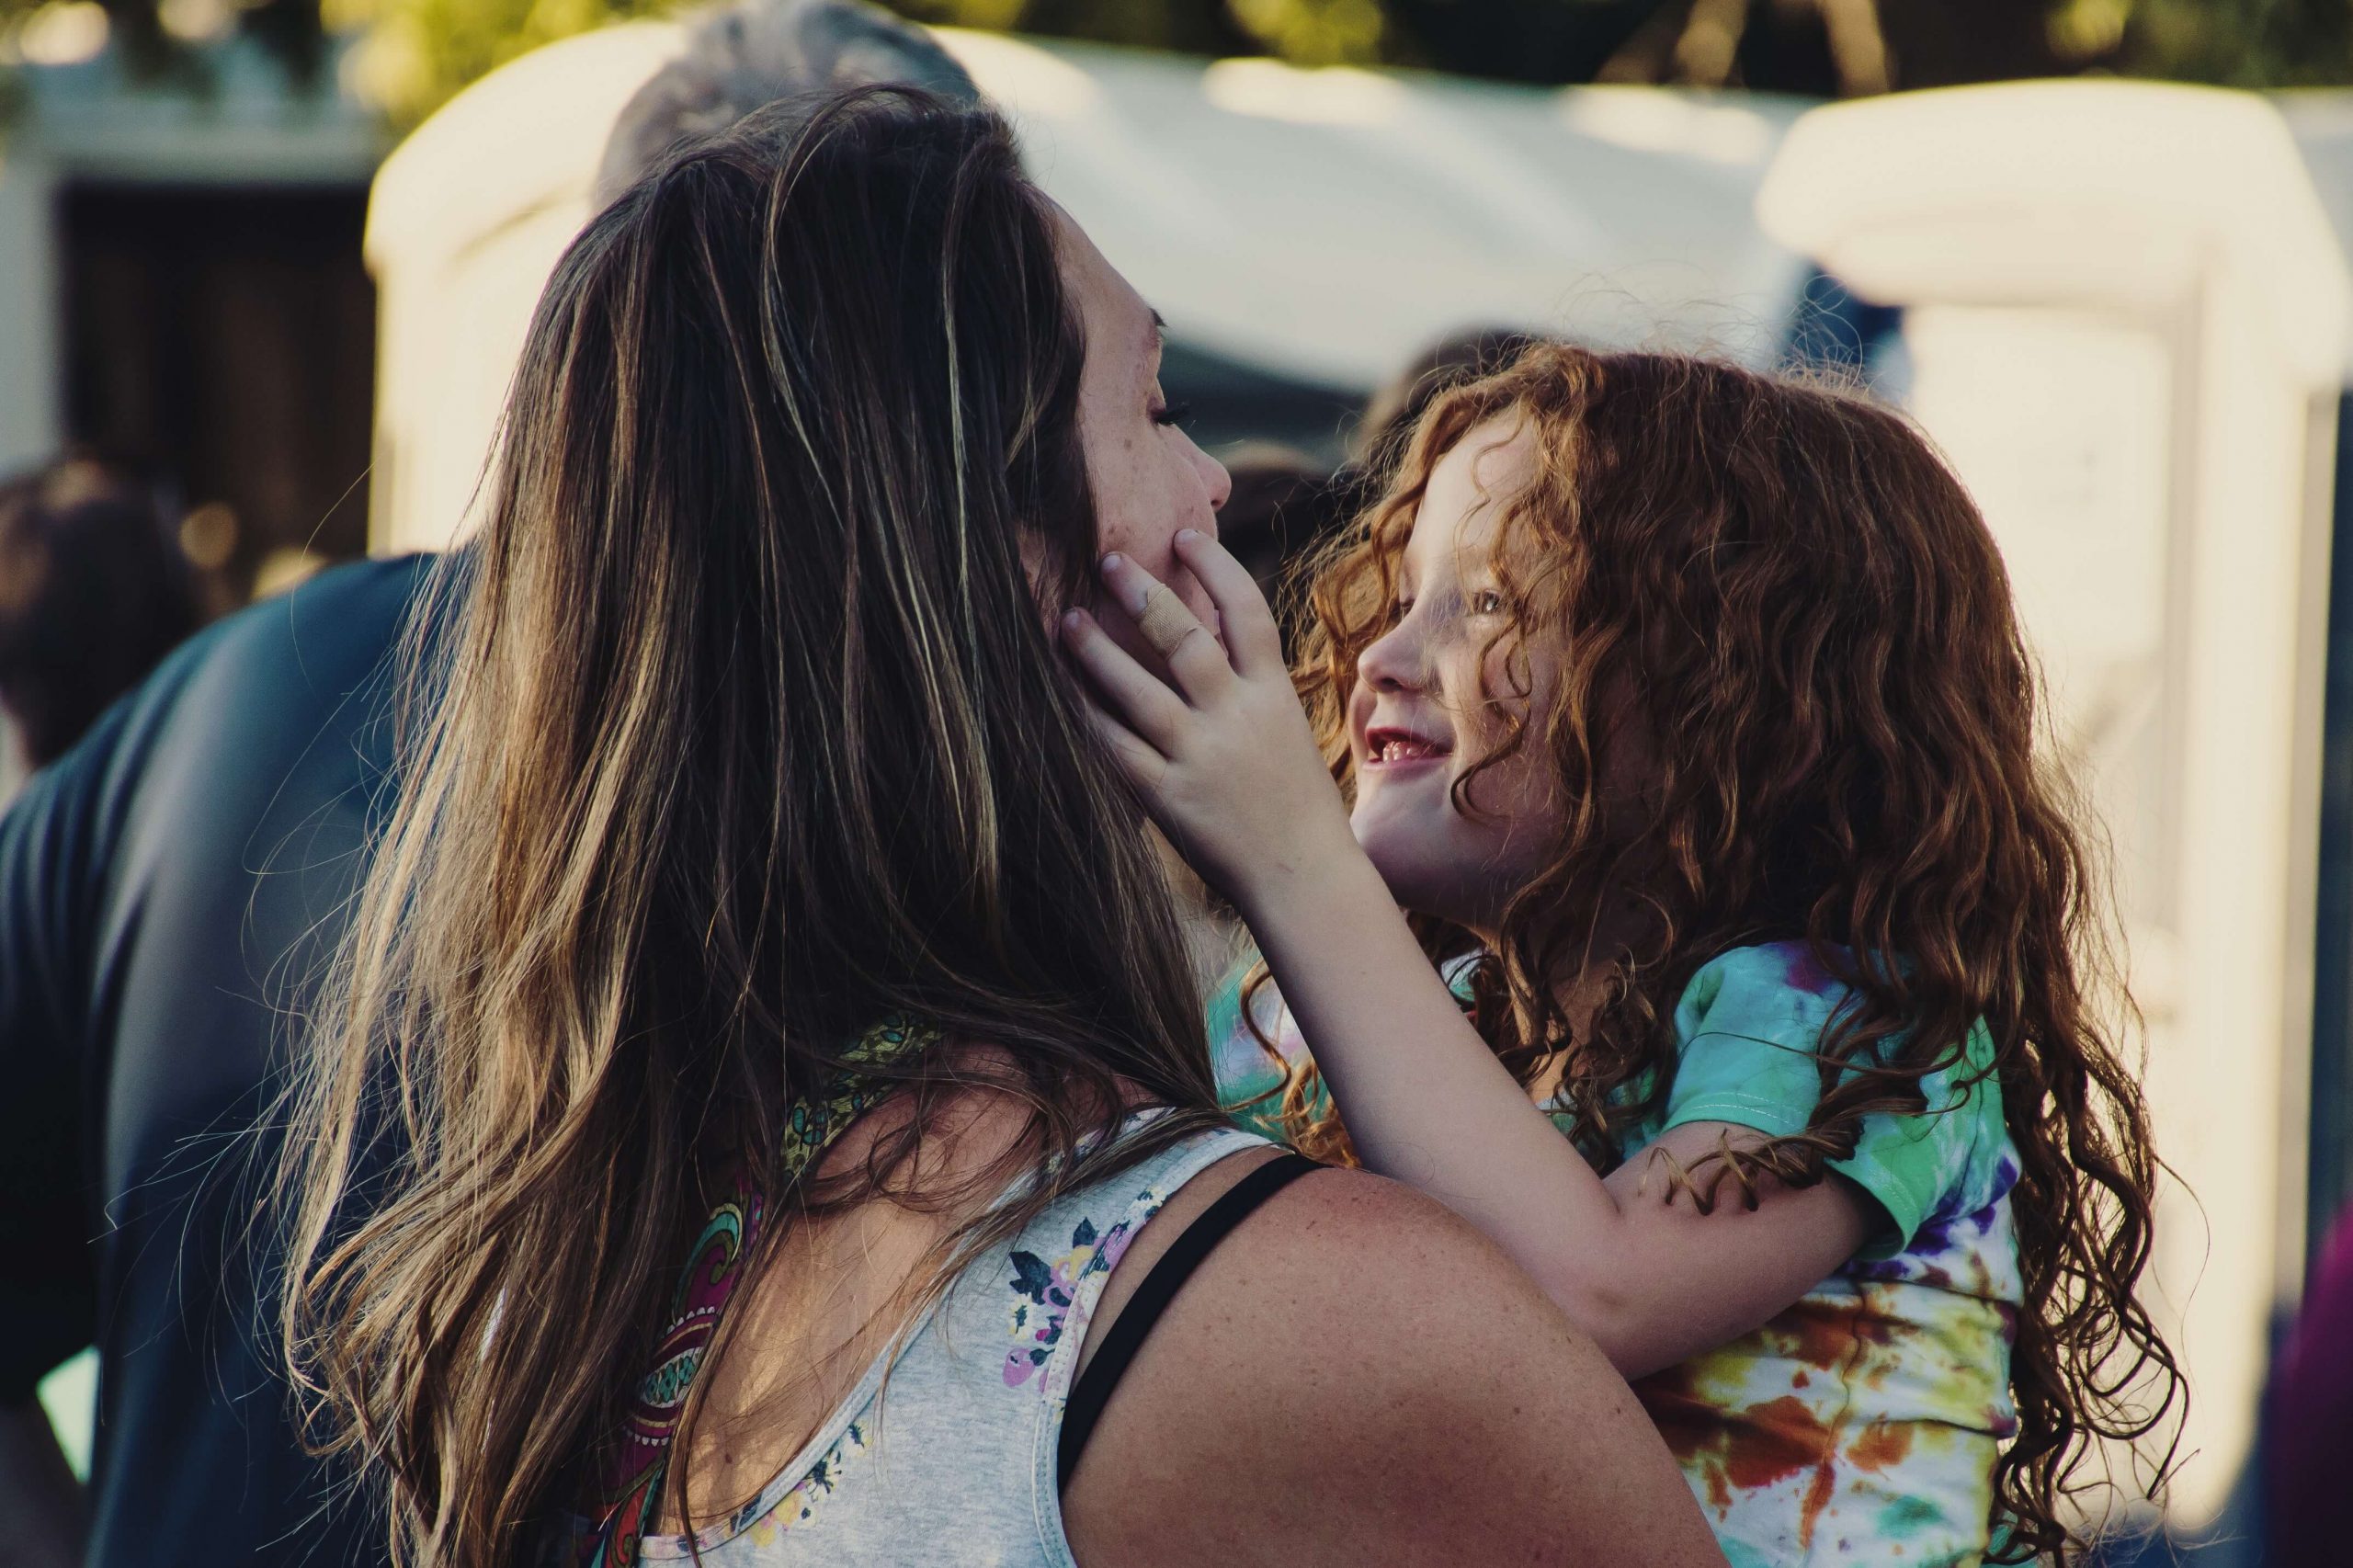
1748, 1028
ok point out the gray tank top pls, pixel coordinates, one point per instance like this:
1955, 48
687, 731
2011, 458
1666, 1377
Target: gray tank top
954, 1462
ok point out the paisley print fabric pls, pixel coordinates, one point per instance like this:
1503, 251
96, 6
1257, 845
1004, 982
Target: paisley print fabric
629, 1489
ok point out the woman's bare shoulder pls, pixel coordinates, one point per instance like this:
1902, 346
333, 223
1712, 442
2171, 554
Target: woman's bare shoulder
1355, 1375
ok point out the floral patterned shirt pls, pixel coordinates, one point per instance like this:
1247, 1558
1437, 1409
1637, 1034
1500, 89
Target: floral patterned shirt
945, 1454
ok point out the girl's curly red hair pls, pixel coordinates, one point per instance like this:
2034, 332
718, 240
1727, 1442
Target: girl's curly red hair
1799, 604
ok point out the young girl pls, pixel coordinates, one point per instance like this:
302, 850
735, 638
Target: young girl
1686, 711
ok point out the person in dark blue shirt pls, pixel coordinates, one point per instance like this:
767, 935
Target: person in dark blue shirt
170, 891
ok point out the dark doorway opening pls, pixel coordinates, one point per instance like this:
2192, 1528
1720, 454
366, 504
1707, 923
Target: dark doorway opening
221, 341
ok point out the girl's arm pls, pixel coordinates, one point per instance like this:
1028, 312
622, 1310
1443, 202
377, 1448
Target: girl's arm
1633, 1262
1226, 763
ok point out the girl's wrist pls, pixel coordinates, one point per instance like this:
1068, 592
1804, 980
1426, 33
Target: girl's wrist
1328, 870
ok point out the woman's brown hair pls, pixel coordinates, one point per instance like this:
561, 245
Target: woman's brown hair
1782, 589
747, 734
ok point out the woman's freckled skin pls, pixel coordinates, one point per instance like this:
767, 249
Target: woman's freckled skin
1148, 479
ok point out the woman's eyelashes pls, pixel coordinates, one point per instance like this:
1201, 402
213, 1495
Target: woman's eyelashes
1171, 413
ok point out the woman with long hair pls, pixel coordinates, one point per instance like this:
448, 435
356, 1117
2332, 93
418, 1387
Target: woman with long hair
766, 1093
1687, 712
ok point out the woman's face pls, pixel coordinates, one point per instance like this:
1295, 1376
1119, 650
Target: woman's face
1149, 481
1439, 691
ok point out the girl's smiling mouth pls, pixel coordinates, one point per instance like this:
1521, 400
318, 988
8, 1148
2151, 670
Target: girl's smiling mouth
1387, 746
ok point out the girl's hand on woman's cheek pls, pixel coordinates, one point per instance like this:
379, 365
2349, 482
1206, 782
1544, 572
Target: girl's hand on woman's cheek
1222, 757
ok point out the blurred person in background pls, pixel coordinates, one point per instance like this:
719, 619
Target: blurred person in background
94, 592
169, 892
2308, 1512
1284, 504
163, 890
742, 57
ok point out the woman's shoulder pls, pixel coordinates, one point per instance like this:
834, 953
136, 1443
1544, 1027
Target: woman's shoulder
1355, 1366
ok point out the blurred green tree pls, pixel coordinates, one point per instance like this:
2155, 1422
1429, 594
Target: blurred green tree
2239, 43
412, 54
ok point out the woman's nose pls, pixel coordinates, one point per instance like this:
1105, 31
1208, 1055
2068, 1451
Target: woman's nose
1214, 479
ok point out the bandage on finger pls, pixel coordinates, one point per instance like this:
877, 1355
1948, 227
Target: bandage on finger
1165, 621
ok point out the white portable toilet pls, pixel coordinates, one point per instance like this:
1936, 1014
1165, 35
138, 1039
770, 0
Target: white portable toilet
2125, 320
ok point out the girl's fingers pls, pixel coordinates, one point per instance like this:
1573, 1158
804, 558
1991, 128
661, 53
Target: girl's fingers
1132, 694
1137, 759
1189, 649
1252, 640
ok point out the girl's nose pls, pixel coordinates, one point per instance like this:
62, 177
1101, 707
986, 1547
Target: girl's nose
1394, 661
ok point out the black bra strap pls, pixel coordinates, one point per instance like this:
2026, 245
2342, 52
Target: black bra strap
1176, 1265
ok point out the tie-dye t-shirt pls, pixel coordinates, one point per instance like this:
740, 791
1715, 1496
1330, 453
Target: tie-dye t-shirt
1861, 1424
1250, 1080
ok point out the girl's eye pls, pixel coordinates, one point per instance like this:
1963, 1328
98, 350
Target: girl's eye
1172, 414
1486, 601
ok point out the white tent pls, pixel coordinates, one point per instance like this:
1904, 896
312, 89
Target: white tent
1326, 225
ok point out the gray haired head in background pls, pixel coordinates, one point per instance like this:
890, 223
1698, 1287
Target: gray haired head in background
742, 56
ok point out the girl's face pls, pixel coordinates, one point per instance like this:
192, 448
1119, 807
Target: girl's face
1149, 481
1440, 689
